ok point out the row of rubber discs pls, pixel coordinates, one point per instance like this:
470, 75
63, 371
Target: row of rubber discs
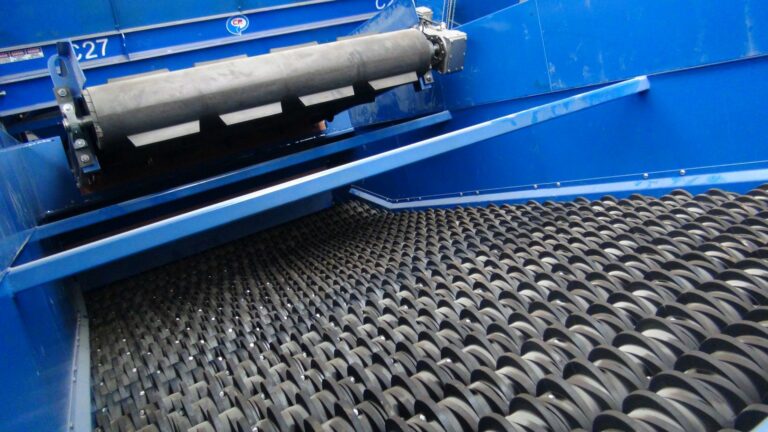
463, 302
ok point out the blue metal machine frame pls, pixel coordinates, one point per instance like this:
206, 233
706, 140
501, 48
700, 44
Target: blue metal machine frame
546, 60
72, 261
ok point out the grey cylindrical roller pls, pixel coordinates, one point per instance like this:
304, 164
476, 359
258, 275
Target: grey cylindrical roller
161, 102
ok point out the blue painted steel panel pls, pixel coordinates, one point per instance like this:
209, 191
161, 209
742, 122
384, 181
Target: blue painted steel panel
598, 41
131, 13
693, 118
505, 59
37, 340
398, 15
45, 20
467, 11
37, 21
542, 46
17, 217
75, 260
41, 168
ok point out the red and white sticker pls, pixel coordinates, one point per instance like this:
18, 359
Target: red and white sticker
21, 55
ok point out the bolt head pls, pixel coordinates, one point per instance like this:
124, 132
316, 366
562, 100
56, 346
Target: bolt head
80, 144
84, 158
557, 184
645, 176
67, 107
682, 172
61, 92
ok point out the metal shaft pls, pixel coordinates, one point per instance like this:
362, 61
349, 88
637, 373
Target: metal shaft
156, 102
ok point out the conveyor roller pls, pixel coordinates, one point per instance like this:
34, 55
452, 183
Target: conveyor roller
157, 107
217, 107
633, 314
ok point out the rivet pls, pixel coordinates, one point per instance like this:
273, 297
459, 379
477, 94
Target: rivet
682, 172
645, 175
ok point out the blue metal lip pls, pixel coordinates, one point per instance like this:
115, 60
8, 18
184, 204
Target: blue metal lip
636, 184
77, 259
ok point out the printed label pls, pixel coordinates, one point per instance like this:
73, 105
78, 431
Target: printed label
21, 55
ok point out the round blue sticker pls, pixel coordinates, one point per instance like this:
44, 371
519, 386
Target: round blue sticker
237, 24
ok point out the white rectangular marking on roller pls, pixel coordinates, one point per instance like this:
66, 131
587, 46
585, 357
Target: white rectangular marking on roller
252, 113
164, 134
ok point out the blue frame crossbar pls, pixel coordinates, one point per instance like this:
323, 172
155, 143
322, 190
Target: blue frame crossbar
87, 256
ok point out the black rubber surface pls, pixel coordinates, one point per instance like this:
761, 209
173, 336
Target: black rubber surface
635, 314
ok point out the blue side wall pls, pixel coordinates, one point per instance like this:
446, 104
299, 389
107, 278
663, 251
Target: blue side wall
707, 88
37, 341
37, 326
705, 107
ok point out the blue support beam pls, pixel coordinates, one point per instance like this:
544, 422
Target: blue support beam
90, 255
149, 201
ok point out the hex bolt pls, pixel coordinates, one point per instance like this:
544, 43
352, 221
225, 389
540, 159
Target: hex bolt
61, 92
682, 172
84, 158
80, 144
